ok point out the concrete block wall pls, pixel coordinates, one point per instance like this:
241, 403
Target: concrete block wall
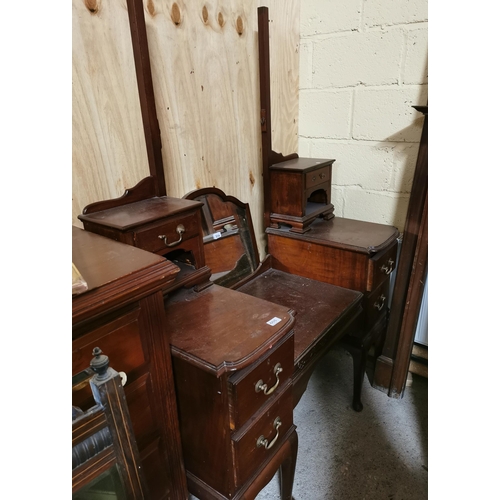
363, 65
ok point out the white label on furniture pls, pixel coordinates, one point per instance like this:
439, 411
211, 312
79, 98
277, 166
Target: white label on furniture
274, 321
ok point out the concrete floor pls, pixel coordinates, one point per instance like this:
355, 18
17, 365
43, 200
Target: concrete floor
379, 453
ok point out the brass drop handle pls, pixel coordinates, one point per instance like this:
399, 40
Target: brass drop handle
260, 386
180, 231
262, 441
388, 270
380, 305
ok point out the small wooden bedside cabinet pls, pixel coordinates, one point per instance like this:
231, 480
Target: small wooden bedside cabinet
164, 225
233, 361
300, 192
351, 254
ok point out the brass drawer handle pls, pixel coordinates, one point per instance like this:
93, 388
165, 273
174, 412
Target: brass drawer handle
388, 270
262, 441
180, 231
380, 305
260, 386
321, 176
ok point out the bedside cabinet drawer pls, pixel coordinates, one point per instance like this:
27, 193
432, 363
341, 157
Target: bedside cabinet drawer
169, 234
380, 266
254, 444
375, 303
317, 177
255, 386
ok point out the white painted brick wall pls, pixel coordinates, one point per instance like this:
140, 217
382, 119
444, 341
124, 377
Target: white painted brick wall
363, 66
371, 58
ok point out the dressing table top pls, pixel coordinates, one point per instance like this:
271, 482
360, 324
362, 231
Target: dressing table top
222, 330
348, 234
134, 214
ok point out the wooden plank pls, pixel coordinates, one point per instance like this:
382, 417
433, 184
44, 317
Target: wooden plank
284, 39
109, 149
204, 61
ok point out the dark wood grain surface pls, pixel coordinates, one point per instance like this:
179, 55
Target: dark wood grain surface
141, 212
123, 312
221, 329
301, 164
116, 273
348, 234
317, 304
115, 260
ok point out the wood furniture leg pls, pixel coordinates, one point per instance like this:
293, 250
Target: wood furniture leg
359, 356
287, 469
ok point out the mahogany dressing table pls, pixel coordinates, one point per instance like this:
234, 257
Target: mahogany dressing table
239, 367
234, 436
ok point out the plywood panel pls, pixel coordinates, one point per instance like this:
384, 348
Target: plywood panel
284, 40
109, 150
204, 60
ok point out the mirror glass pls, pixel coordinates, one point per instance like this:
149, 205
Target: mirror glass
228, 237
106, 486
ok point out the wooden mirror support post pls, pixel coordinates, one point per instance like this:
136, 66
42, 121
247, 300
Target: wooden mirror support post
150, 123
296, 190
392, 365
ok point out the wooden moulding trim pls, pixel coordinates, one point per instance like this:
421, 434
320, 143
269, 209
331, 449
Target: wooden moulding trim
88, 424
276, 158
230, 366
143, 190
383, 373
284, 218
411, 311
164, 408
121, 292
415, 219
93, 467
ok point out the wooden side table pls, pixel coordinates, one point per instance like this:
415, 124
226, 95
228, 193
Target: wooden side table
351, 254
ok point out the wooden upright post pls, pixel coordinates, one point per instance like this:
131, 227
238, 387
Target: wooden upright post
146, 94
269, 157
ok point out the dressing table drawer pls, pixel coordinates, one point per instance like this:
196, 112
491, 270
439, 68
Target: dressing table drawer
168, 234
257, 385
317, 177
257, 441
381, 266
376, 303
